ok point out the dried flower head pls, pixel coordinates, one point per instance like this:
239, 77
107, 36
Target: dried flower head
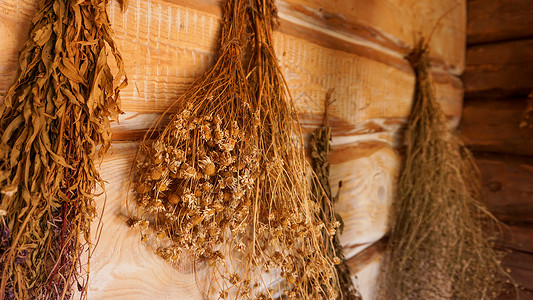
233, 161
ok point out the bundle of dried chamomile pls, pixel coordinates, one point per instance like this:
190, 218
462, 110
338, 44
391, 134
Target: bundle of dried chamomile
225, 181
53, 117
195, 183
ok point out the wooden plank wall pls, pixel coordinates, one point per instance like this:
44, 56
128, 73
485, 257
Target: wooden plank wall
498, 78
355, 47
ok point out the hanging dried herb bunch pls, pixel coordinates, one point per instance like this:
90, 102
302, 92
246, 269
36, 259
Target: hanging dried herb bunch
225, 181
53, 117
321, 191
290, 219
195, 183
437, 248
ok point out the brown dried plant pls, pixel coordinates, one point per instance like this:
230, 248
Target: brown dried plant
286, 210
225, 181
52, 119
321, 191
437, 246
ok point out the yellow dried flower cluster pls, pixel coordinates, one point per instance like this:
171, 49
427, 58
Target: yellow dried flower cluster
194, 185
225, 181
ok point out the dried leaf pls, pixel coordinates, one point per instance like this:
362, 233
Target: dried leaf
50, 123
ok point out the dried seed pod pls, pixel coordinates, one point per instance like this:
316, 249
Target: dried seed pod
157, 173
142, 188
174, 199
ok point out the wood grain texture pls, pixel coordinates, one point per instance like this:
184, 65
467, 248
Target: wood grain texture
395, 25
355, 47
507, 187
490, 21
122, 267
499, 69
516, 237
389, 25
521, 267
492, 125
368, 171
166, 46
370, 254
368, 279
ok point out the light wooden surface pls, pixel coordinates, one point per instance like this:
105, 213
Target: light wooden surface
122, 267
166, 46
356, 47
368, 171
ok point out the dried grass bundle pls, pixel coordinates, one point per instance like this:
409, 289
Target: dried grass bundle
291, 221
437, 248
225, 181
321, 190
52, 119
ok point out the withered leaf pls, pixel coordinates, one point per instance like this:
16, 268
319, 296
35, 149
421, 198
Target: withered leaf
52, 118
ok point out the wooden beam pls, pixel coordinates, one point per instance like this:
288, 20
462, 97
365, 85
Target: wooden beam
492, 125
490, 21
515, 237
362, 259
499, 70
507, 187
511, 294
377, 21
374, 21
167, 51
521, 267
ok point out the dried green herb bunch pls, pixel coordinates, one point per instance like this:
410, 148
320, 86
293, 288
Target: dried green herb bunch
53, 117
437, 248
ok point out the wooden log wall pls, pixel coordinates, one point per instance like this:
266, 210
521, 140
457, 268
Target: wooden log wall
498, 78
355, 47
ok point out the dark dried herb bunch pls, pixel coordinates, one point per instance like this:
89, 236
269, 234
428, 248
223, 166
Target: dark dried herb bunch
52, 119
321, 192
225, 180
437, 248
